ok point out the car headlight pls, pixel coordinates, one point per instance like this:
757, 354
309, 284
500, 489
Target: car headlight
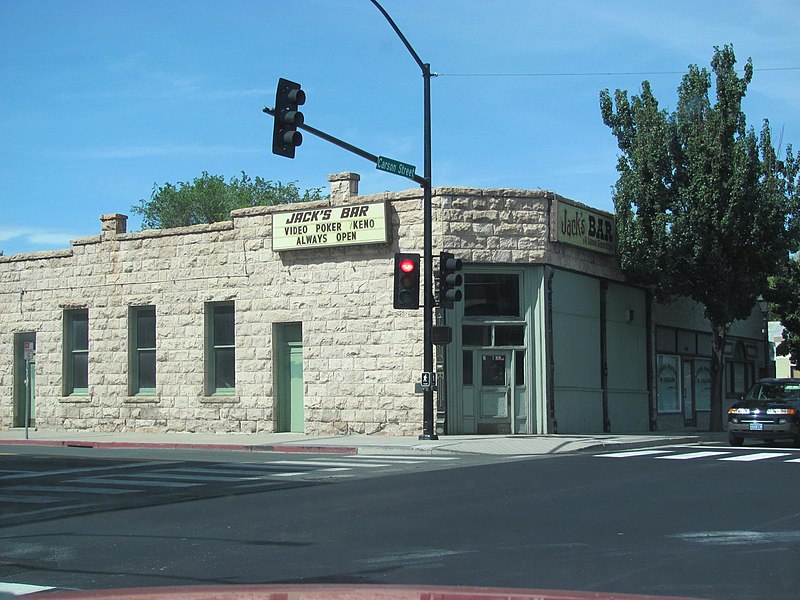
739, 411
780, 411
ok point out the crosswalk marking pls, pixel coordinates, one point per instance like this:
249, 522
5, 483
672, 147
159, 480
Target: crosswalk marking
756, 456
730, 454
53, 509
69, 489
37, 494
180, 477
325, 463
210, 471
403, 458
692, 455
30, 499
27, 474
630, 453
106, 481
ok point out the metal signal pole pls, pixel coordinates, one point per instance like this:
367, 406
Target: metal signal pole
428, 431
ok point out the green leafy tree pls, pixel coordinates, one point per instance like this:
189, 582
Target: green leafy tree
209, 199
704, 207
784, 299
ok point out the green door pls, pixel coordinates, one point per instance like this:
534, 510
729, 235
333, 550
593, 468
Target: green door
24, 378
289, 377
496, 391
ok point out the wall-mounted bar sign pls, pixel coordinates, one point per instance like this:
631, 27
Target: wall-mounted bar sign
580, 226
330, 226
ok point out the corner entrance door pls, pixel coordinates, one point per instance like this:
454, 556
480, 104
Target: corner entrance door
24, 378
496, 391
289, 377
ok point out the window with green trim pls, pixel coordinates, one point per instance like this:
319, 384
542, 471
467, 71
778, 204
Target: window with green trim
220, 349
76, 352
142, 350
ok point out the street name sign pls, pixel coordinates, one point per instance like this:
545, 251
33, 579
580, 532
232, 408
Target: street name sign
395, 167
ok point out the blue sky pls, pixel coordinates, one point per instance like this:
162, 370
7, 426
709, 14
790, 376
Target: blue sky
100, 100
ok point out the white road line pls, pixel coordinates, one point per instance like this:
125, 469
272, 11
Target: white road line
178, 477
52, 509
130, 482
69, 489
757, 456
322, 463
30, 499
230, 473
631, 453
20, 589
797, 460
402, 458
28, 474
691, 455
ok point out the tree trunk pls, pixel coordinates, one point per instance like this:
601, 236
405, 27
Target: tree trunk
718, 335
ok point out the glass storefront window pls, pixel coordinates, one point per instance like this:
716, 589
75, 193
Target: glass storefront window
467, 364
491, 295
492, 335
702, 384
669, 399
476, 335
519, 367
493, 370
509, 335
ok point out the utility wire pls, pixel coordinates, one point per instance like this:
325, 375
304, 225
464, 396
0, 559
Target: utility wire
593, 74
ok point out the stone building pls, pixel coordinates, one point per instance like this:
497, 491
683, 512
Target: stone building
282, 319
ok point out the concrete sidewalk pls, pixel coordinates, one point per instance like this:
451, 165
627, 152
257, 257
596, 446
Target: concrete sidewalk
516, 445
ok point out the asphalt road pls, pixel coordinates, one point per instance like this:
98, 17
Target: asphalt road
693, 521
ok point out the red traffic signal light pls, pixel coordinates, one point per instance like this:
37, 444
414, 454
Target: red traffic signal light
406, 281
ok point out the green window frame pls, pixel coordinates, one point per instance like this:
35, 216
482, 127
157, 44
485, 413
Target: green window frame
142, 350
220, 346
76, 352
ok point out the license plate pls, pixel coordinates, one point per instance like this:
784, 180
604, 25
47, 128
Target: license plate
756, 426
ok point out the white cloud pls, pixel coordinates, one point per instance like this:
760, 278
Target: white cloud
39, 237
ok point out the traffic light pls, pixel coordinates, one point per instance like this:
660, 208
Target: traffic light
449, 280
285, 137
406, 280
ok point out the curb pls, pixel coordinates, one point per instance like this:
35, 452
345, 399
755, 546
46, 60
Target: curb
184, 446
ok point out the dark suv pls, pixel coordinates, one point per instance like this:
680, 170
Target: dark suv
770, 410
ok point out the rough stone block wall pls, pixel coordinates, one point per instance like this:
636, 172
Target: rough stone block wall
361, 357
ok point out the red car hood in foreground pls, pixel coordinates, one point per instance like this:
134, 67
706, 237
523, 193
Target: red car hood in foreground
335, 592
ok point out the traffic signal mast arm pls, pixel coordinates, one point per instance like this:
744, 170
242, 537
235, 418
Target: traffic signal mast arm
342, 144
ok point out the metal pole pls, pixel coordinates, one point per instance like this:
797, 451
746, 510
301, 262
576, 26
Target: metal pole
428, 432
27, 395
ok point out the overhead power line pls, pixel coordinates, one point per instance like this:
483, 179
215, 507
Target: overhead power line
593, 73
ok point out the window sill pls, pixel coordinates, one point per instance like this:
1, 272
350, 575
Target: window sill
143, 399
76, 399
221, 398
